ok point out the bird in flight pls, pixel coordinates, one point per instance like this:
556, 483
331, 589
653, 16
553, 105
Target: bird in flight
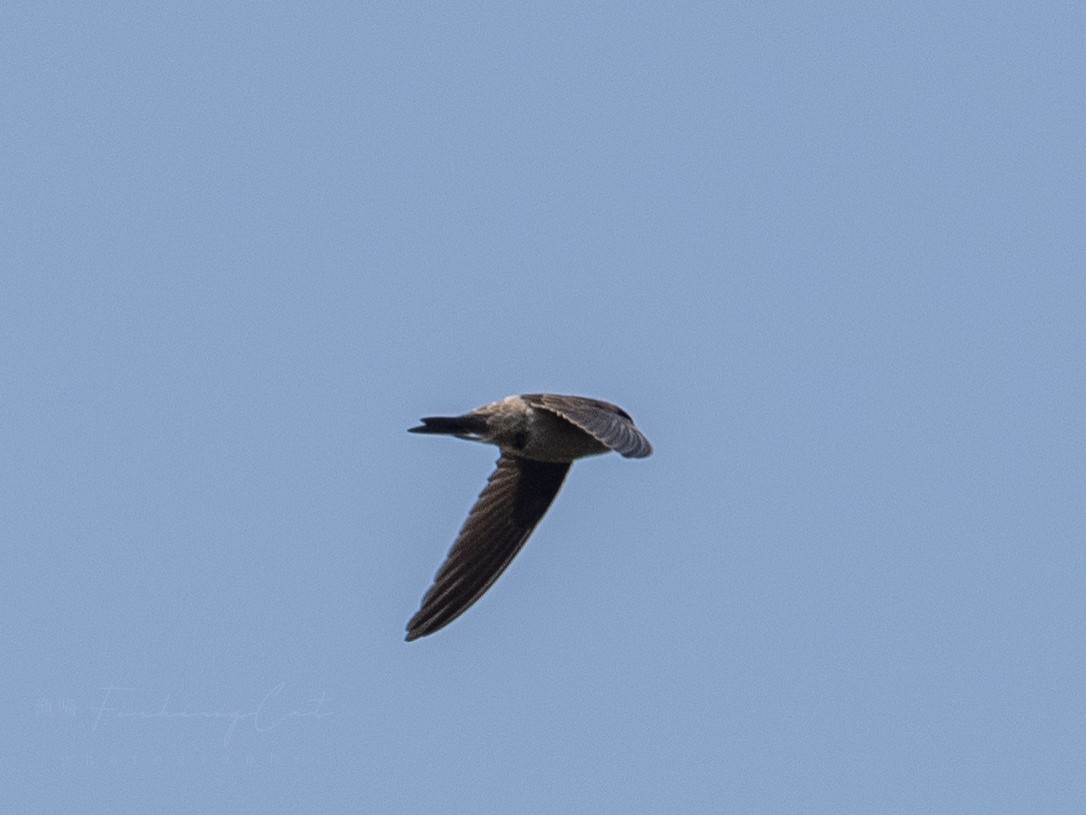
539, 435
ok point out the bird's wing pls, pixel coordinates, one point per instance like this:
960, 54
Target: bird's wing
608, 424
517, 494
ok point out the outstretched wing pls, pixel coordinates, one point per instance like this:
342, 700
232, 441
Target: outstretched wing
609, 424
516, 496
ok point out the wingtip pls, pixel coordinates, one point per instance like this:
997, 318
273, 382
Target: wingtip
418, 631
417, 628
642, 450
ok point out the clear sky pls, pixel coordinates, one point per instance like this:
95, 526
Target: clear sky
831, 257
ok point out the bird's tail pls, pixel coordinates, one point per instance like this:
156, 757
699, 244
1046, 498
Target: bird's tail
467, 426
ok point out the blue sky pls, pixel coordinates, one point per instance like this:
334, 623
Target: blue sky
831, 258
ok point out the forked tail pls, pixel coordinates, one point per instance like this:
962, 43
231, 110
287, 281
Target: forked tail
466, 426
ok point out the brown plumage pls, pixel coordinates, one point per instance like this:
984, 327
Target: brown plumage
540, 435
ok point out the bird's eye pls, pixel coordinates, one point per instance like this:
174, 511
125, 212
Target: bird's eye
520, 438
